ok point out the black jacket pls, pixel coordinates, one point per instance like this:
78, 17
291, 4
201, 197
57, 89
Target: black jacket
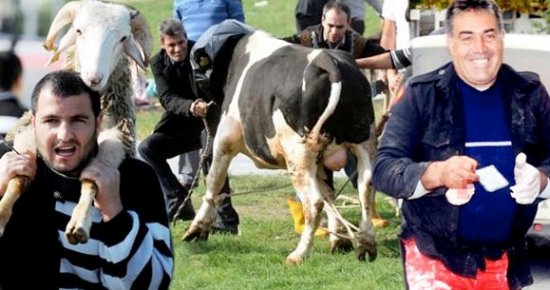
10, 111
34, 236
428, 125
354, 43
175, 87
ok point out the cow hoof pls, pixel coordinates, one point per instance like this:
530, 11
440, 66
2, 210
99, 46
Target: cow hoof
380, 222
294, 261
366, 246
195, 234
75, 236
341, 246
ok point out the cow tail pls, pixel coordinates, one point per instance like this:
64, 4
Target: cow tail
330, 65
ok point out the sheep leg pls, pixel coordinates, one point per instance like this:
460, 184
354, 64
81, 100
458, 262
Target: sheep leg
16, 187
111, 152
78, 228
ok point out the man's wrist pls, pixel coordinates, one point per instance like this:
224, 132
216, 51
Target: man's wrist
430, 179
193, 106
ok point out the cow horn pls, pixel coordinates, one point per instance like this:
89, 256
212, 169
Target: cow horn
64, 16
141, 33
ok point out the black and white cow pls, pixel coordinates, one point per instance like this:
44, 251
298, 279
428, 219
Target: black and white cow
291, 107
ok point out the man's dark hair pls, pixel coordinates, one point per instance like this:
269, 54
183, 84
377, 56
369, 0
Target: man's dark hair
337, 5
171, 27
10, 70
65, 83
460, 6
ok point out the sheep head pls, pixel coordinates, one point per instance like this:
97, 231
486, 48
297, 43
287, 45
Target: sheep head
101, 34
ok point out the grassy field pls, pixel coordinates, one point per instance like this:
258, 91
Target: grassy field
255, 258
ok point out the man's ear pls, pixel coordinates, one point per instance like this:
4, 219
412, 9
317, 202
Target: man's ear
99, 122
17, 87
33, 119
450, 44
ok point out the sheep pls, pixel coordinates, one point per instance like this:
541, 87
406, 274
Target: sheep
95, 44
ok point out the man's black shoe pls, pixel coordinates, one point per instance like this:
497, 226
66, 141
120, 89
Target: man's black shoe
225, 230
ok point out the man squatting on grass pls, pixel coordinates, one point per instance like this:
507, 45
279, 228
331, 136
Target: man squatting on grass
130, 244
475, 112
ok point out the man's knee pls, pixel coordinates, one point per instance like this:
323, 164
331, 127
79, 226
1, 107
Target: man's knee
144, 148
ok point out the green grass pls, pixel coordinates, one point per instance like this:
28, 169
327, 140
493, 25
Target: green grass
255, 258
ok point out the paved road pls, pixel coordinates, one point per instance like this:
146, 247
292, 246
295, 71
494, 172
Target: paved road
242, 165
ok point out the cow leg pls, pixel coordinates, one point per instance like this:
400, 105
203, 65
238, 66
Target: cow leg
302, 166
224, 150
377, 220
365, 236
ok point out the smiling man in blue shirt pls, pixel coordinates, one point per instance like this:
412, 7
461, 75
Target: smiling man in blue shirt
470, 114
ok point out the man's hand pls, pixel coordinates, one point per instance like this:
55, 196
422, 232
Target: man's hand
107, 180
199, 108
13, 164
460, 196
394, 81
455, 172
528, 181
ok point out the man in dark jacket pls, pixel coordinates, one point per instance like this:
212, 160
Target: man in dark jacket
11, 86
334, 32
179, 130
471, 118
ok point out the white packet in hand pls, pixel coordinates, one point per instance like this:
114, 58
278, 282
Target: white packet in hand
491, 179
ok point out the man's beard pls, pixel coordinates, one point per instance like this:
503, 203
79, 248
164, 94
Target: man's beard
76, 171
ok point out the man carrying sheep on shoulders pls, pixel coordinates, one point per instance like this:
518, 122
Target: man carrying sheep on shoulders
130, 243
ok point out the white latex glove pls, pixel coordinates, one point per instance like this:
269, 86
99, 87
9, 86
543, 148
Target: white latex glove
527, 178
460, 196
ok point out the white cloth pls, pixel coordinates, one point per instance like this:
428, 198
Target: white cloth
460, 196
6, 123
527, 178
395, 10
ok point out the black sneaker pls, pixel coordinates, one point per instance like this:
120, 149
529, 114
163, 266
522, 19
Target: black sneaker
225, 230
378, 87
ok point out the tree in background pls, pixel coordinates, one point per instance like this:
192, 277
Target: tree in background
505, 5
